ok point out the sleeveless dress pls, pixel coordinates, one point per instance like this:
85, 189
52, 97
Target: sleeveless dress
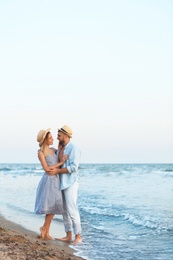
48, 195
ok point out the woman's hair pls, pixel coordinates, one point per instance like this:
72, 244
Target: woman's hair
46, 137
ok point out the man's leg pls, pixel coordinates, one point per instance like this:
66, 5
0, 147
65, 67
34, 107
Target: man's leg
67, 221
72, 210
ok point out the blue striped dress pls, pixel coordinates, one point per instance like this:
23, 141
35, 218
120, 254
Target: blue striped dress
48, 195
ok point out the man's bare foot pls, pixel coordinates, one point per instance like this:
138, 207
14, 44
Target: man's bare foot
78, 239
43, 232
68, 237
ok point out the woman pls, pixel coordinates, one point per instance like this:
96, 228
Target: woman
48, 196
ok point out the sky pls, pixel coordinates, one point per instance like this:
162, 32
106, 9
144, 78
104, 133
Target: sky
102, 67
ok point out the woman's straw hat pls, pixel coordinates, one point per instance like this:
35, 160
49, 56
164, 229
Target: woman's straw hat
66, 130
41, 136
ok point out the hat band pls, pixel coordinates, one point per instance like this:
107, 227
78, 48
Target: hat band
61, 129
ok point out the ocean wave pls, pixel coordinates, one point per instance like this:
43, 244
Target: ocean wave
169, 175
6, 169
97, 215
150, 222
140, 220
18, 167
168, 170
113, 215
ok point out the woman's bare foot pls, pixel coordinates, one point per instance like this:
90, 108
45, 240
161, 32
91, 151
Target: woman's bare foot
43, 232
78, 239
49, 237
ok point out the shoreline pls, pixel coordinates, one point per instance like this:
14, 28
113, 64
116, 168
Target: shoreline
17, 242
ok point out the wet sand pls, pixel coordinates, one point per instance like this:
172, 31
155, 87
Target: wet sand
18, 243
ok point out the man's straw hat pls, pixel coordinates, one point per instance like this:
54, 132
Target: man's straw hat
66, 130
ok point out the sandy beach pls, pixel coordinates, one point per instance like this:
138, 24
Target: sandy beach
18, 243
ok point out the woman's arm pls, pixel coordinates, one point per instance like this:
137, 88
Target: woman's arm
44, 164
42, 159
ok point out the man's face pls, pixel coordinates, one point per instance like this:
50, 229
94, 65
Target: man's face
60, 137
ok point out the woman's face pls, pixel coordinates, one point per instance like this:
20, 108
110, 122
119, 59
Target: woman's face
49, 139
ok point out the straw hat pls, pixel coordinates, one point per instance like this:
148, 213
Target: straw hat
41, 136
66, 130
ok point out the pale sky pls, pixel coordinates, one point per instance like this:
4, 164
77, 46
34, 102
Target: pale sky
105, 68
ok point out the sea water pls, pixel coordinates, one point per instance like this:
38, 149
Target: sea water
126, 209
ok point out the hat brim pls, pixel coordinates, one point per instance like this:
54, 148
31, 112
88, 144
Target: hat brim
47, 130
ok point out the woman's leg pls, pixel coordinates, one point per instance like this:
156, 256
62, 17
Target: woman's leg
45, 228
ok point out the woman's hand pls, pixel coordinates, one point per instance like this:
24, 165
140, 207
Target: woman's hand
51, 168
52, 171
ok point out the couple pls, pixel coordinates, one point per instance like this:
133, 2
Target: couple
57, 190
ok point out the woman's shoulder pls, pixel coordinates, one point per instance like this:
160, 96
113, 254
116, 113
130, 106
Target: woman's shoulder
40, 154
40, 151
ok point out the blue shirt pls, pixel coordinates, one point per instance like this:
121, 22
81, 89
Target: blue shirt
72, 164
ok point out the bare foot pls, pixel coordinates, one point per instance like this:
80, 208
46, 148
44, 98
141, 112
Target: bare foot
43, 232
49, 237
66, 239
77, 240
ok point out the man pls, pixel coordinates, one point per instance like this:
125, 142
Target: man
69, 184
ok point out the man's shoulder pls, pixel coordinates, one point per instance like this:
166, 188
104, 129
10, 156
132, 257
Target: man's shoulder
71, 146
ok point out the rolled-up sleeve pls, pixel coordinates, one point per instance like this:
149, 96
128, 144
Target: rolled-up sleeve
71, 164
73, 160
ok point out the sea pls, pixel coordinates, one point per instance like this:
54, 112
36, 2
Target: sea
126, 209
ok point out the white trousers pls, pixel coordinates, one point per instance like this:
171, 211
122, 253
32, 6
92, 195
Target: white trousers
71, 215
